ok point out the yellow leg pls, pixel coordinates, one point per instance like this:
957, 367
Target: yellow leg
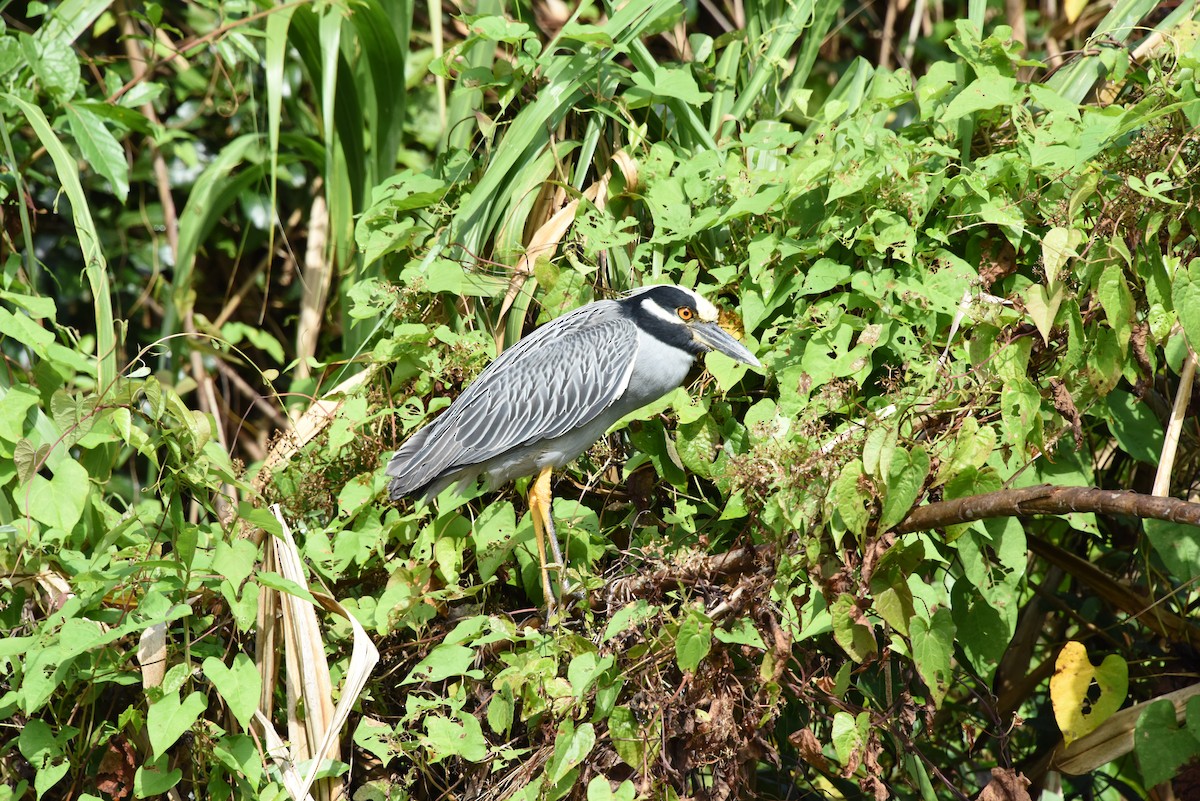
543, 523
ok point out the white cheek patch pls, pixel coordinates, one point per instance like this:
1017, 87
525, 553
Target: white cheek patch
661, 313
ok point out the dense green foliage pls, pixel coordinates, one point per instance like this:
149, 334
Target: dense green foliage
970, 274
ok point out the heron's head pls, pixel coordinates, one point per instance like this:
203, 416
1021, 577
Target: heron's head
684, 318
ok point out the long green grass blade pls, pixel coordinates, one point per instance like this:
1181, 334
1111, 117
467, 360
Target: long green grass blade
95, 266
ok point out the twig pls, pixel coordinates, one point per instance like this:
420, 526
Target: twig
1048, 499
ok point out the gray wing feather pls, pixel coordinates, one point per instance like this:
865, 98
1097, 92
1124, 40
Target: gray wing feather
556, 379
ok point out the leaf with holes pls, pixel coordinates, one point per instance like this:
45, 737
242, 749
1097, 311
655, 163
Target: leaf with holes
1079, 708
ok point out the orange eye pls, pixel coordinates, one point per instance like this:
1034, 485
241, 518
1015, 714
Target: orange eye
685, 314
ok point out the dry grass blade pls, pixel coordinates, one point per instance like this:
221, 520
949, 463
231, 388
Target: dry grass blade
318, 275
544, 240
152, 655
309, 686
306, 427
1166, 461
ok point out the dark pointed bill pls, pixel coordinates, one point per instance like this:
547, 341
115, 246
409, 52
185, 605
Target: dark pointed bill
715, 337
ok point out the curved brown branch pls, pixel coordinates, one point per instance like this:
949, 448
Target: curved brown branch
1048, 499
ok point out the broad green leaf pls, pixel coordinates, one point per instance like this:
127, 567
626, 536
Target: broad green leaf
850, 502
240, 685
629, 615
1161, 745
742, 632
982, 629
600, 789
461, 738
1178, 545
1135, 427
982, 94
849, 735
1058, 248
58, 502
585, 669
45, 752
694, 641
906, 477
932, 647
1185, 295
100, 149
239, 753
1042, 304
1076, 708
855, 637
153, 779
500, 711
571, 746
494, 537
235, 560
1116, 300
443, 662
169, 718
635, 744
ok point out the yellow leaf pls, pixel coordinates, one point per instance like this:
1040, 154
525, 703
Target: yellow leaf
1083, 695
1073, 8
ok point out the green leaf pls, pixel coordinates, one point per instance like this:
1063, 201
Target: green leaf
629, 615
461, 738
906, 477
932, 647
983, 94
1162, 747
1116, 300
667, 82
239, 753
240, 685
571, 746
500, 711
982, 629
58, 502
45, 752
153, 779
1135, 427
694, 641
1042, 304
169, 718
1185, 296
100, 149
494, 536
235, 560
1178, 545
585, 669
600, 789
855, 637
849, 735
443, 662
851, 503
635, 744
742, 632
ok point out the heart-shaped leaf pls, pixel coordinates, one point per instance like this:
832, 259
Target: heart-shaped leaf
1161, 744
59, 501
1042, 304
1083, 695
169, 718
240, 685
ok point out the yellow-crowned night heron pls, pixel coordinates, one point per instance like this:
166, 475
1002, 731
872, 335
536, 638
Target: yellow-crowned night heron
546, 399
